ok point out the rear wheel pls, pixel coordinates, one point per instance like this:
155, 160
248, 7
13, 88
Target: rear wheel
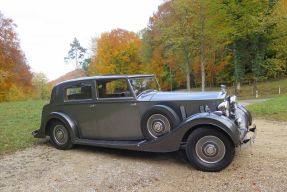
208, 149
59, 136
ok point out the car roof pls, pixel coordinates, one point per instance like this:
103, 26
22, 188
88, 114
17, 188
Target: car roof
105, 77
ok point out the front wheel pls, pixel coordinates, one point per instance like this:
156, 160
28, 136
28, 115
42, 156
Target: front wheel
208, 149
59, 136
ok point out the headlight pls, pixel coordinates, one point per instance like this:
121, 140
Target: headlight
225, 108
233, 99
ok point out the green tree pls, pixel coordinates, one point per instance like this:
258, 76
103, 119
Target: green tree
249, 36
40, 83
188, 31
276, 61
77, 55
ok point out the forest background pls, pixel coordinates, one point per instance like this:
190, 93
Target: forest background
187, 44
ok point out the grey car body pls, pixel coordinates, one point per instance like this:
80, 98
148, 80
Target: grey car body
119, 120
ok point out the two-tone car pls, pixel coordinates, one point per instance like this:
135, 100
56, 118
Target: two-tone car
131, 112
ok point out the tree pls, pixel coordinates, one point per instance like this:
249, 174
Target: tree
202, 18
190, 32
15, 75
249, 36
172, 29
77, 55
276, 62
116, 52
40, 83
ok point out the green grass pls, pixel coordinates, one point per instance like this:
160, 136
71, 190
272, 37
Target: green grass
266, 89
273, 109
17, 121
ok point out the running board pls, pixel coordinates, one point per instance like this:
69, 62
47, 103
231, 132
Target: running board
131, 145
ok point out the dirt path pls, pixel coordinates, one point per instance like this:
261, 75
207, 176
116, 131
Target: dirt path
261, 167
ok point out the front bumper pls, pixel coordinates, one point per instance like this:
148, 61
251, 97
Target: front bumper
249, 135
243, 119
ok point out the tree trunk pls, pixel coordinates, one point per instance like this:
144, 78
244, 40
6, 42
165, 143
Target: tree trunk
77, 64
187, 56
239, 71
187, 76
202, 47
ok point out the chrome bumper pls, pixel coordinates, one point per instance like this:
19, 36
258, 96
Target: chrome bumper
250, 135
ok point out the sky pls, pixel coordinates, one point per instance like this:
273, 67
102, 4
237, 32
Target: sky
46, 28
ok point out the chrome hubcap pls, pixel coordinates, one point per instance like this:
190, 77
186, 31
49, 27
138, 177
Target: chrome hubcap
157, 125
60, 134
210, 149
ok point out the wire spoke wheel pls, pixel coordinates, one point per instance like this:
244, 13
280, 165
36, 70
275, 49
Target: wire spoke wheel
60, 135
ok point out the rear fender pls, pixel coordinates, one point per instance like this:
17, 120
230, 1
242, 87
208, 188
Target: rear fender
67, 120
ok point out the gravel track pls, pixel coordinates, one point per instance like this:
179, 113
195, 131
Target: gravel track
260, 167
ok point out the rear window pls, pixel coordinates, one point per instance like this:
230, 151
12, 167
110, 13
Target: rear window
78, 92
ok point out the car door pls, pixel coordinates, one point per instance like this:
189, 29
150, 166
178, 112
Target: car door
116, 111
79, 100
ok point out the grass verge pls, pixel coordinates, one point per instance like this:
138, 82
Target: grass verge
265, 89
17, 121
273, 109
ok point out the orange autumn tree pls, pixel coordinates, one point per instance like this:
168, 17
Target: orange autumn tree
116, 52
15, 75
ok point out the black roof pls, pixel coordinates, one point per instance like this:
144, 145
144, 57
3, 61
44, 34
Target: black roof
106, 77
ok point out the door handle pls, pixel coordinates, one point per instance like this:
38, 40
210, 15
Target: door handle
134, 104
92, 106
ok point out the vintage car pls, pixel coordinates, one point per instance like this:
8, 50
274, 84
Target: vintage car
130, 112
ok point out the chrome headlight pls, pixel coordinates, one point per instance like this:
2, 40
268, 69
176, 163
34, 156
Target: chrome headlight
233, 99
225, 108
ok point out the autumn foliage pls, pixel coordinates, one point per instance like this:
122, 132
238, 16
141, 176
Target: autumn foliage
187, 43
195, 42
15, 75
116, 52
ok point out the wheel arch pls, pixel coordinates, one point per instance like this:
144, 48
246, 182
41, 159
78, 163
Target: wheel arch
221, 123
211, 126
66, 120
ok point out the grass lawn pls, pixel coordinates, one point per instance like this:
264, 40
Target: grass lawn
273, 109
17, 121
266, 89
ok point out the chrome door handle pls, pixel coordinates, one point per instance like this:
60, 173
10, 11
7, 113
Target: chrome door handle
134, 104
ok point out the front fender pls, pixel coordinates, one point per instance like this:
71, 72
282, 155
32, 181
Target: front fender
172, 141
220, 121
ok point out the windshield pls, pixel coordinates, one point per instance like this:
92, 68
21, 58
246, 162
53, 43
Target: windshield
143, 85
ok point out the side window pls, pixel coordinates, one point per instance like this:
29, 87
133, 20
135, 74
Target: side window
113, 88
78, 92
